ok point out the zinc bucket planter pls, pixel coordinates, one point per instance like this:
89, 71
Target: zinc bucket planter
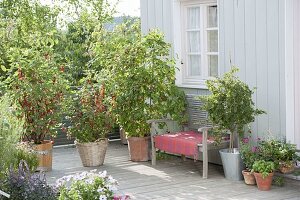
138, 148
264, 184
92, 154
232, 164
44, 154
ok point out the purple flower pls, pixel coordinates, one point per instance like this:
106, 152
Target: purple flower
245, 140
254, 149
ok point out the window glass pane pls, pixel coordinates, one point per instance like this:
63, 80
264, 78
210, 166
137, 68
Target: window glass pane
193, 41
212, 16
194, 65
212, 37
193, 17
213, 65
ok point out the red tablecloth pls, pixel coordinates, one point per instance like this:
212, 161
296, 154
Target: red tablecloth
183, 143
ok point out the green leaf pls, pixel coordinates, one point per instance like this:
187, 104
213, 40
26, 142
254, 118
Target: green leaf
3, 68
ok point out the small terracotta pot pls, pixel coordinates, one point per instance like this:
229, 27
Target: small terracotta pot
249, 177
263, 184
138, 148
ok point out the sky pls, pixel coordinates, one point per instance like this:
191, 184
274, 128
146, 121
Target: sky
128, 7
124, 7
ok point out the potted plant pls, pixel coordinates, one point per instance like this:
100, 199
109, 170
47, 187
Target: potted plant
38, 88
91, 121
141, 77
281, 153
230, 108
249, 155
263, 172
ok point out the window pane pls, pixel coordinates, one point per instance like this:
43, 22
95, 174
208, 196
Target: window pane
212, 16
194, 65
193, 17
213, 65
212, 42
193, 41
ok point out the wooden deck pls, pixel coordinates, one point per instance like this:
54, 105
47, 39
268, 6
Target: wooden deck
171, 178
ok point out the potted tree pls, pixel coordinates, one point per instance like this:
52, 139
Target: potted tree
34, 72
141, 77
263, 172
91, 121
230, 108
38, 88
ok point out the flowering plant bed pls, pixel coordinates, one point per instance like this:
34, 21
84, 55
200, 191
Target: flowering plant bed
89, 186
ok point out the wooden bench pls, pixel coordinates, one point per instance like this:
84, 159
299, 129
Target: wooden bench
181, 140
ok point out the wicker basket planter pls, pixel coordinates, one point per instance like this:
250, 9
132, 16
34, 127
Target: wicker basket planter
44, 154
92, 154
287, 167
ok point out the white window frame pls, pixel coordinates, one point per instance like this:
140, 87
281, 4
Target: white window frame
182, 77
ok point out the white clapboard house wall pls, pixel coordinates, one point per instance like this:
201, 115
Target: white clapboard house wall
261, 37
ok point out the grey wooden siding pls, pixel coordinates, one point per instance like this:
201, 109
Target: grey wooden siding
252, 37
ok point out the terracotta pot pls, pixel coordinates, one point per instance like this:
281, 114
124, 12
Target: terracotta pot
249, 177
286, 169
44, 154
138, 148
92, 154
263, 184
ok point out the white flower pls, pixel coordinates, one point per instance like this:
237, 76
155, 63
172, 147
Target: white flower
103, 174
112, 188
100, 190
102, 197
93, 171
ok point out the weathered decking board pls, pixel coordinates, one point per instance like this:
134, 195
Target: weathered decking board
169, 179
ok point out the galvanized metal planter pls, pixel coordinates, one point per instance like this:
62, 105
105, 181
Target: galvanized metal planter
232, 164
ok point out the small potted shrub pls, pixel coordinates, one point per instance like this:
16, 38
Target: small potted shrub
230, 107
91, 121
263, 172
249, 155
281, 153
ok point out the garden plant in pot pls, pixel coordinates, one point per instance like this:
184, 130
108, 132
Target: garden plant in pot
263, 172
142, 78
249, 155
283, 154
230, 108
91, 121
38, 88
34, 72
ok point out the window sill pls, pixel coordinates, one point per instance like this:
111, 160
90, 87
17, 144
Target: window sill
193, 86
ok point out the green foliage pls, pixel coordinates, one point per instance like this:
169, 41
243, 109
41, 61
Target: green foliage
10, 133
140, 76
263, 167
91, 116
278, 181
277, 151
77, 41
34, 70
11, 127
230, 106
248, 153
